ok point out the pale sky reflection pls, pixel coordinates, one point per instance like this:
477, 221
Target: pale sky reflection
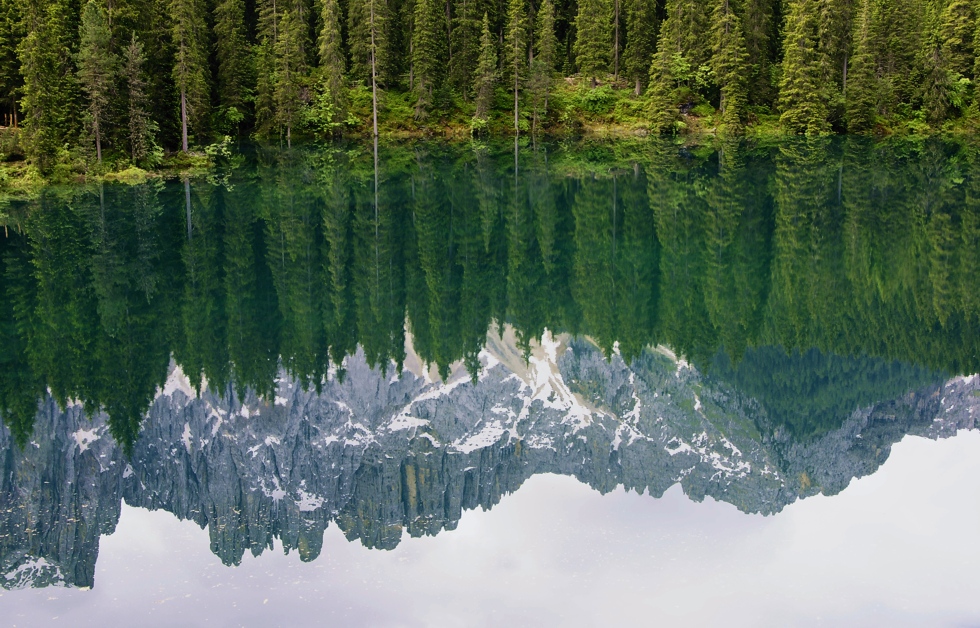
897, 548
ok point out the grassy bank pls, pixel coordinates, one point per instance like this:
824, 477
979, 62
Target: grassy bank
575, 110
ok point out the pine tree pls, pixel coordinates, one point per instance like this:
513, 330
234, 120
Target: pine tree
332, 62
515, 52
265, 87
592, 43
729, 64
142, 128
956, 32
683, 50
290, 73
233, 59
486, 71
366, 25
802, 94
97, 67
543, 62
429, 53
190, 70
761, 39
641, 41
465, 46
861, 80
49, 88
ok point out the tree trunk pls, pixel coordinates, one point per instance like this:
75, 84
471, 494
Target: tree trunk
187, 205
374, 77
616, 44
98, 140
636, 90
183, 120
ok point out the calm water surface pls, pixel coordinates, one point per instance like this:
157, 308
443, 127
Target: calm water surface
567, 385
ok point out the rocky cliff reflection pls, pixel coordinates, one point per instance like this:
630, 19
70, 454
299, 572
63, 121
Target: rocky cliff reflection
290, 349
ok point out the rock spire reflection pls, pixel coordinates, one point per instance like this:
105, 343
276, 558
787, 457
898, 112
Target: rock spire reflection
381, 343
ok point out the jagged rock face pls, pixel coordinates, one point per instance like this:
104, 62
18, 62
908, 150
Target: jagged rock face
380, 454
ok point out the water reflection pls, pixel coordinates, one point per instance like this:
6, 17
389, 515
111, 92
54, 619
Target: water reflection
385, 341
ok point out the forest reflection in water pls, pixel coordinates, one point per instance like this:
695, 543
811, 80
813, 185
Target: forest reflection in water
757, 323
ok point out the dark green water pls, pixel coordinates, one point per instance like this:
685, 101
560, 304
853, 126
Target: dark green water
385, 342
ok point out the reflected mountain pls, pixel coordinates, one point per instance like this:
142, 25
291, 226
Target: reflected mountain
307, 338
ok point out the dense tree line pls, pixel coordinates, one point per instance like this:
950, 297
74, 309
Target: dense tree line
298, 260
134, 77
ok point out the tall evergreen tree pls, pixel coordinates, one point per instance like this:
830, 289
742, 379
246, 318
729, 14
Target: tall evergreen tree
233, 59
190, 70
860, 95
331, 55
290, 73
641, 41
593, 38
543, 61
366, 25
97, 67
142, 128
49, 86
956, 32
465, 45
802, 93
429, 53
515, 52
486, 71
683, 49
730, 66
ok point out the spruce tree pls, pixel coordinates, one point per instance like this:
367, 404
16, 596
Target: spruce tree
761, 39
802, 94
860, 96
331, 55
97, 67
683, 49
465, 46
49, 88
730, 68
641, 41
515, 52
366, 25
543, 62
190, 70
233, 59
486, 71
290, 72
593, 38
429, 53
141, 126
956, 33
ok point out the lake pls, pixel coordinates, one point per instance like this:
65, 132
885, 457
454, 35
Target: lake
424, 384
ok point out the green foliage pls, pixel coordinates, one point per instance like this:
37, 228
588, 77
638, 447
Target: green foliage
429, 53
486, 74
729, 63
97, 67
802, 91
641, 41
190, 70
593, 42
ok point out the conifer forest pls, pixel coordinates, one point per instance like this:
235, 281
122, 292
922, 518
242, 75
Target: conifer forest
133, 80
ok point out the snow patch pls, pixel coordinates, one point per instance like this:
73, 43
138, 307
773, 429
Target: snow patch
84, 438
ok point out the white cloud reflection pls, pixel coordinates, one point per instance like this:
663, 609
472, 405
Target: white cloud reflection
898, 547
